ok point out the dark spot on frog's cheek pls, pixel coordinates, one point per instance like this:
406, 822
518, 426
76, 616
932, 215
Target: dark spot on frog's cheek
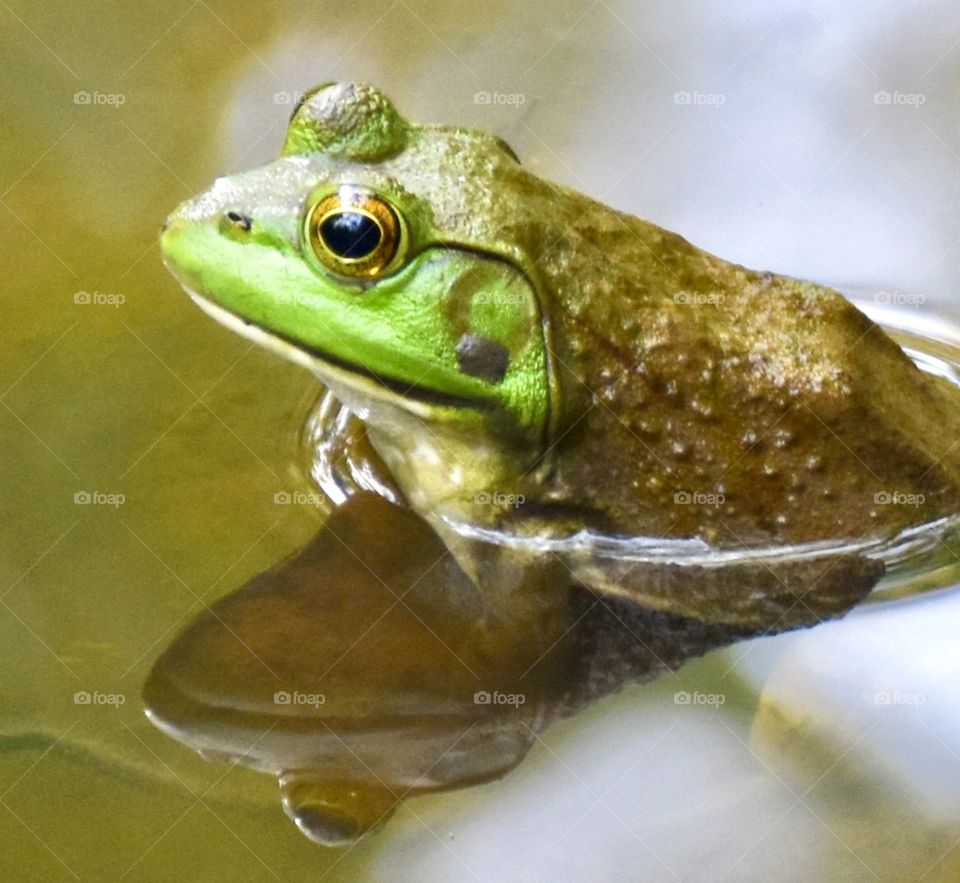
482, 357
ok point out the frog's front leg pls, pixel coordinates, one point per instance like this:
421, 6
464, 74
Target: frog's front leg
342, 460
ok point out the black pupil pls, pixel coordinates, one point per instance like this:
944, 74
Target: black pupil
350, 234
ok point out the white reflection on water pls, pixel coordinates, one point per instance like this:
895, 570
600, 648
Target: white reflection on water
885, 678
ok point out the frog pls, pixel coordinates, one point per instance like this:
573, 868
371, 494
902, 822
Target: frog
545, 376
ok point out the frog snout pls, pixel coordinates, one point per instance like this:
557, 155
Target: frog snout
169, 235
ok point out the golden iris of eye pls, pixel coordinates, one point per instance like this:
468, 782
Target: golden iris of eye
353, 232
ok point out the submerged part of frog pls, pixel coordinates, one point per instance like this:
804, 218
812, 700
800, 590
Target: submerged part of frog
367, 669
528, 362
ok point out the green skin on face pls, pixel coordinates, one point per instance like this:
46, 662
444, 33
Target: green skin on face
505, 339
446, 345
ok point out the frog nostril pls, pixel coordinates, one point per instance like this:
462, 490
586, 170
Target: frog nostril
242, 221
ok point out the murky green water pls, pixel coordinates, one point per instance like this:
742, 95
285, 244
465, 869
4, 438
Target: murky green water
143, 448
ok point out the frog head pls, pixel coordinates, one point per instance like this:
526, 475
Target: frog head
373, 251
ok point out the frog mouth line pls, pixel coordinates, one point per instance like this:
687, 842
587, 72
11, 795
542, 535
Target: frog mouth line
356, 376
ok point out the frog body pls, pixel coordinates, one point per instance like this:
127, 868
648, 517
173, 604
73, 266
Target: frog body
530, 364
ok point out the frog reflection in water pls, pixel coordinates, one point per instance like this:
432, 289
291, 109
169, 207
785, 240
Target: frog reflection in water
534, 376
366, 669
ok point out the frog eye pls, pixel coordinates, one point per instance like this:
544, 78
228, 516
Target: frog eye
353, 232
